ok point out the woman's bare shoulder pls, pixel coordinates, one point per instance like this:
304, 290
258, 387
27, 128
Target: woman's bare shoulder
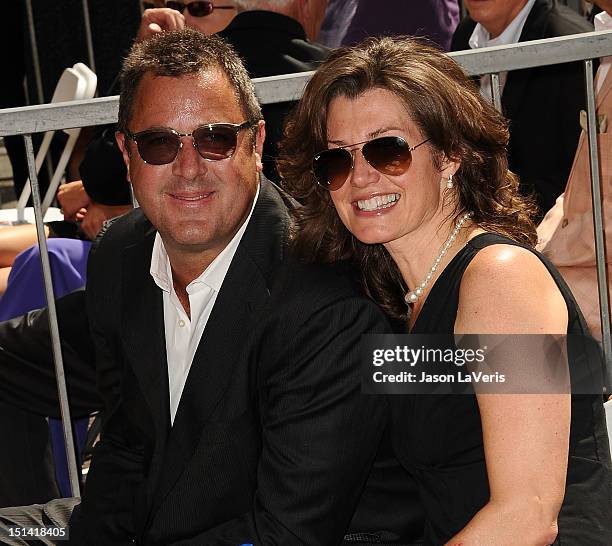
508, 289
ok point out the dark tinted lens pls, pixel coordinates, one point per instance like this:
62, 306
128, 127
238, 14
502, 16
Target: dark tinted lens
178, 6
332, 167
200, 9
389, 155
158, 147
215, 143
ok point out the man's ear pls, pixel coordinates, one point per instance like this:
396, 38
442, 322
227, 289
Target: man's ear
125, 150
260, 137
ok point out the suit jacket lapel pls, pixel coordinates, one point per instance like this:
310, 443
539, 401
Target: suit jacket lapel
145, 345
143, 327
245, 290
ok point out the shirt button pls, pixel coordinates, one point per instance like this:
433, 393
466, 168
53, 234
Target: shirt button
181, 323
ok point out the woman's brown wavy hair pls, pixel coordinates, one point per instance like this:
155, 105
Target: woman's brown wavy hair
447, 107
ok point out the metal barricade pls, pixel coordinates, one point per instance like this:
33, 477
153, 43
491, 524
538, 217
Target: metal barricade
582, 47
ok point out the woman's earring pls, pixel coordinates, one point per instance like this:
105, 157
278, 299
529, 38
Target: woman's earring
449, 182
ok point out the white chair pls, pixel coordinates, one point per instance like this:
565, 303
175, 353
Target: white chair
91, 83
76, 83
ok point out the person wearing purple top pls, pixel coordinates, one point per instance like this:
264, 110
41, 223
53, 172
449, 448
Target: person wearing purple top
433, 19
338, 17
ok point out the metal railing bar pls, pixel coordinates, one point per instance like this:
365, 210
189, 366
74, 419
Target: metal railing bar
37, 73
283, 88
287, 87
57, 116
87, 24
549, 51
34, 46
53, 325
496, 91
600, 245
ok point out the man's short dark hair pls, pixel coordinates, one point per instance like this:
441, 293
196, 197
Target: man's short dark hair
181, 53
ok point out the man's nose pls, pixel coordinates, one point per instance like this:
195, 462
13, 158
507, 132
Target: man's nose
188, 164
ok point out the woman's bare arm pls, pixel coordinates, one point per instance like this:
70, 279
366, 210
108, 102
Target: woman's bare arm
507, 290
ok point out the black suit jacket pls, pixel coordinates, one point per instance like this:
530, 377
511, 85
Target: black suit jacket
271, 43
542, 105
272, 440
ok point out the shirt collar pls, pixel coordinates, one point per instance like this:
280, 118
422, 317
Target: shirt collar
511, 35
212, 276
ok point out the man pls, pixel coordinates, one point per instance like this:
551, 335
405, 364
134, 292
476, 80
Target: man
104, 192
229, 372
542, 104
566, 234
104, 171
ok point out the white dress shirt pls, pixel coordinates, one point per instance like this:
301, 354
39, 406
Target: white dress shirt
511, 35
603, 21
182, 333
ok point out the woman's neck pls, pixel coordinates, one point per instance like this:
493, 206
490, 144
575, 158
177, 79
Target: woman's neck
416, 253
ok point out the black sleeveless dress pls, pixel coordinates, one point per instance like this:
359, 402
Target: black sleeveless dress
438, 439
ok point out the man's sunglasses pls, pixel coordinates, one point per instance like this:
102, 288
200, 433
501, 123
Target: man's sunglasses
213, 142
196, 9
389, 155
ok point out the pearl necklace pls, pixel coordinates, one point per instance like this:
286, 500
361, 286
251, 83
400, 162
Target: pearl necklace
415, 294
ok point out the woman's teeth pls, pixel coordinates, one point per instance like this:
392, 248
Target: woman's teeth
378, 202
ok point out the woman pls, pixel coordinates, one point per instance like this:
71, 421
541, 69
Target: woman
402, 171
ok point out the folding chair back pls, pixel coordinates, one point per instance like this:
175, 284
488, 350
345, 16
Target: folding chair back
76, 83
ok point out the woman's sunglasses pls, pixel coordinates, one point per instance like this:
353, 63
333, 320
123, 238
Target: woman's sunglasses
196, 9
213, 142
389, 155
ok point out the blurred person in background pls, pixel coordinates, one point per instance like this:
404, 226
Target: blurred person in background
566, 234
276, 37
337, 20
543, 104
435, 20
